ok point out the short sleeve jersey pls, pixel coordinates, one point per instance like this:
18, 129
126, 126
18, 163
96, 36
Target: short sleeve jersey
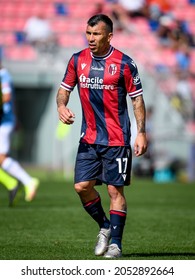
103, 85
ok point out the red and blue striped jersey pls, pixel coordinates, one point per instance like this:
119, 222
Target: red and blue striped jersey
103, 84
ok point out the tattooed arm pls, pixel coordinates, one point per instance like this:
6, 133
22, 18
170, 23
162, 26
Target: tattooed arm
65, 114
140, 145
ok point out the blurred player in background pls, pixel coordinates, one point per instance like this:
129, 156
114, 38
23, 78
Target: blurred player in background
105, 76
1, 103
7, 163
9, 182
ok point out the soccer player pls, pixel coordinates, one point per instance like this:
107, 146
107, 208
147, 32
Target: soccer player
8, 181
1, 103
7, 163
104, 76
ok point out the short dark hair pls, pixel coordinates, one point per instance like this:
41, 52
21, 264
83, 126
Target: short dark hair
101, 17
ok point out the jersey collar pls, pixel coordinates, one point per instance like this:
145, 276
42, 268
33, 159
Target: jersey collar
103, 56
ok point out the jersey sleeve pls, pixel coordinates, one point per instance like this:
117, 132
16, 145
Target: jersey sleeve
70, 77
132, 79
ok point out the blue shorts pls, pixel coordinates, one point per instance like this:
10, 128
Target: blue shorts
109, 165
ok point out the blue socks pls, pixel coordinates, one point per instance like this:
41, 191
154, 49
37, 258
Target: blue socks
117, 221
95, 210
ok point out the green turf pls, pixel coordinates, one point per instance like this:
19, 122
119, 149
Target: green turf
160, 223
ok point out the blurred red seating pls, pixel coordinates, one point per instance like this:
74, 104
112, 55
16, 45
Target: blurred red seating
7, 39
67, 40
22, 52
12, 24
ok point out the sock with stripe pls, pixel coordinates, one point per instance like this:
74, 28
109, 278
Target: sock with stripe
95, 210
117, 221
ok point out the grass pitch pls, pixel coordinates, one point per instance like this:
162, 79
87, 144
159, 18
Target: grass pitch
160, 223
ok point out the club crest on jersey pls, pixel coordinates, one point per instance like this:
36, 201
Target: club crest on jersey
112, 69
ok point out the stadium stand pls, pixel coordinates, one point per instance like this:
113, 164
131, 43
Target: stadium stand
68, 18
14, 14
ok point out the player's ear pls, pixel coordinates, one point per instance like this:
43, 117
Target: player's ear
110, 35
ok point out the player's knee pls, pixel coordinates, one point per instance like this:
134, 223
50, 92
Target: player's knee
2, 158
80, 188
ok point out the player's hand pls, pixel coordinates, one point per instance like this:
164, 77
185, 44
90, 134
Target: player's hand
140, 145
66, 115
